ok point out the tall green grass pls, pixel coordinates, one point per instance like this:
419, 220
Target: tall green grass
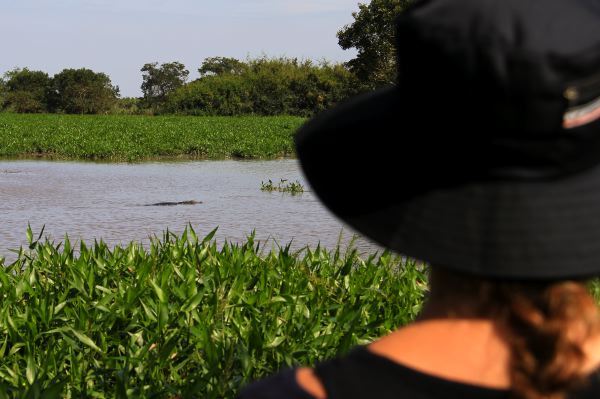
185, 317
134, 138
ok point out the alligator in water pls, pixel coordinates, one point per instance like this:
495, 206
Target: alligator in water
190, 202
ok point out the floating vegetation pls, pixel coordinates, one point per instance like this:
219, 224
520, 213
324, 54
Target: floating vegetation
184, 317
136, 138
283, 186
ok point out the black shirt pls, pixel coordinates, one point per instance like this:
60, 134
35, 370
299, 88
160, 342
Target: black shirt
363, 374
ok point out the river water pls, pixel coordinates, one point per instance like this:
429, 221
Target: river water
106, 201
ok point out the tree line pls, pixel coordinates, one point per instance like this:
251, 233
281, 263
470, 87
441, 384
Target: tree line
69, 91
226, 86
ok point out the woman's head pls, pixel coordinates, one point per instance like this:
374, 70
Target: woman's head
546, 325
468, 161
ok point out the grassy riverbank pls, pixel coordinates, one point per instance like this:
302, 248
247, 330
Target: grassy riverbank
186, 318
136, 138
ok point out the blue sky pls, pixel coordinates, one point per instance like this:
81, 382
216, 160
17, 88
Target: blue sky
118, 36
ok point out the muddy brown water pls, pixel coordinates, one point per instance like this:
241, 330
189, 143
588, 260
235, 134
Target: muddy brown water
106, 201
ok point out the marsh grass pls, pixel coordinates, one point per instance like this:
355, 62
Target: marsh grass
284, 186
136, 138
184, 317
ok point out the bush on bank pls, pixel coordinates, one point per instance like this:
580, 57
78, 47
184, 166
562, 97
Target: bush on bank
265, 86
185, 318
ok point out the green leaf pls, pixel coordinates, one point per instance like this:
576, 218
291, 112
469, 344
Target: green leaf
29, 233
84, 339
210, 235
4, 278
151, 315
30, 370
59, 307
163, 315
15, 348
192, 302
3, 348
159, 292
276, 342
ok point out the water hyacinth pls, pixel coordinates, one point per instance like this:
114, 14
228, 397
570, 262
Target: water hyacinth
284, 186
186, 318
136, 138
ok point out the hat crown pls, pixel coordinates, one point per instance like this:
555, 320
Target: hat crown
510, 72
468, 162
505, 50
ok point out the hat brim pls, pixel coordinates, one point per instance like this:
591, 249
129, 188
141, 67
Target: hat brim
375, 164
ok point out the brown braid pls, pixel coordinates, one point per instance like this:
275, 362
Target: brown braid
545, 325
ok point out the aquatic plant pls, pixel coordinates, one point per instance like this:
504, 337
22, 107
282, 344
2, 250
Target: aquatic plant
185, 317
283, 186
136, 138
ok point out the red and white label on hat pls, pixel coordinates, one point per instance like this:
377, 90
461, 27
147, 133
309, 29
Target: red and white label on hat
582, 114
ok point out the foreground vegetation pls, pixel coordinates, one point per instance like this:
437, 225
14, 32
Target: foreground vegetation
133, 138
185, 318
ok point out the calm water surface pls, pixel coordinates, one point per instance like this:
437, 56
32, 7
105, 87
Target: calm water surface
106, 201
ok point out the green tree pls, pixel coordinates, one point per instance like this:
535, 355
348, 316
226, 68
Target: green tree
293, 87
318, 87
25, 91
2, 92
225, 95
372, 34
83, 91
222, 66
265, 86
161, 80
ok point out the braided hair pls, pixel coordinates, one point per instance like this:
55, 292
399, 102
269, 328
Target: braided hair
544, 324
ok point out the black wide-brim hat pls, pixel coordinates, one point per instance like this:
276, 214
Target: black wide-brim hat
485, 157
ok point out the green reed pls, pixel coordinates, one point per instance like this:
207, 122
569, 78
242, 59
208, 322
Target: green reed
135, 138
185, 317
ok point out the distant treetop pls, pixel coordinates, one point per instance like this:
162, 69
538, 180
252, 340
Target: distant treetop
372, 34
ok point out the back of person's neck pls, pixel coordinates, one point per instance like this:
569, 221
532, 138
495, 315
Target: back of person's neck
463, 350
